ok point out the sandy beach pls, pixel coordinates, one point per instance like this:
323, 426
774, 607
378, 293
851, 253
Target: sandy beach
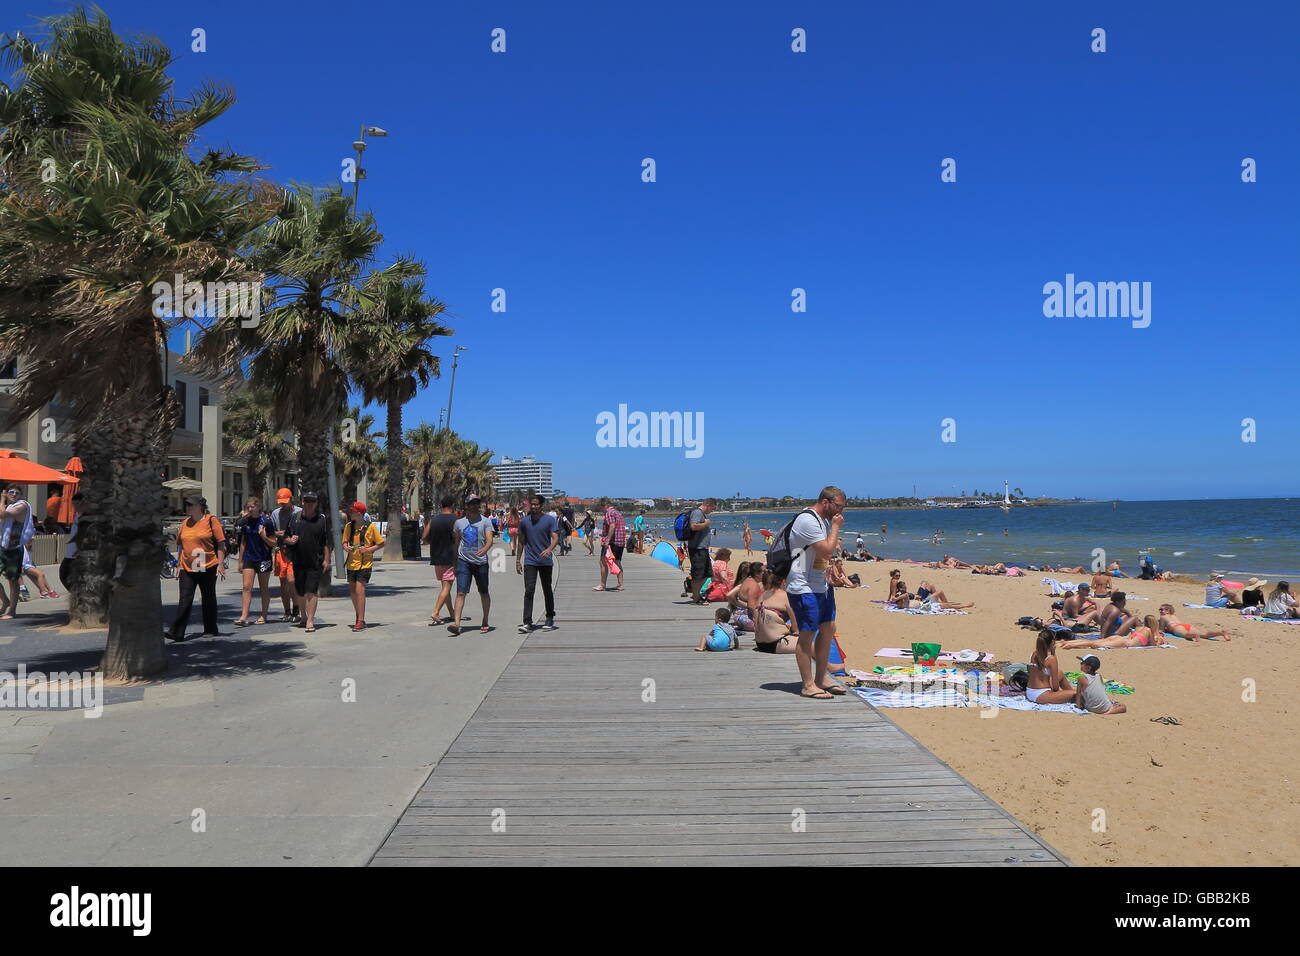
1216, 791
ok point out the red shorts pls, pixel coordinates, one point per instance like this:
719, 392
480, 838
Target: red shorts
444, 572
283, 569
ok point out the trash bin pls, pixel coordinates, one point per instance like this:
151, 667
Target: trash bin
411, 540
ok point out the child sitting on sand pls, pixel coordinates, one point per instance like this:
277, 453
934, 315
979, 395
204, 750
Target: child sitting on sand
1091, 693
722, 636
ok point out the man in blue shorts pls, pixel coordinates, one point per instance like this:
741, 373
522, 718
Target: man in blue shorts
814, 538
474, 540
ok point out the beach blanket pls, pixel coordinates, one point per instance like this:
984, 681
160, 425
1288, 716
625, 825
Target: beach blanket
1058, 587
1208, 607
1176, 637
956, 697
898, 652
1112, 686
1270, 620
916, 610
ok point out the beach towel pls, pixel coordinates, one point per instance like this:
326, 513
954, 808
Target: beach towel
1270, 620
1208, 607
916, 610
1058, 587
898, 652
1176, 637
956, 697
1111, 686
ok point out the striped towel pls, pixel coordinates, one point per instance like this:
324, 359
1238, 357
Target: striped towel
955, 697
914, 610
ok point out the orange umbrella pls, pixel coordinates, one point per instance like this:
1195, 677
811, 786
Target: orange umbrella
24, 472
67, 510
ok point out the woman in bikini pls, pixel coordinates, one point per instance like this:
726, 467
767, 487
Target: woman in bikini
897, 586
776, 631
743, 598
1145, 635
1188, 632
1047, 683
747, 536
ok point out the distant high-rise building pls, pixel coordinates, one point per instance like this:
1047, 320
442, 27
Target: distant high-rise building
522, 474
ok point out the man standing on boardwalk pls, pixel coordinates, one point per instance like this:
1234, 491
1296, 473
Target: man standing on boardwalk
440, 532
814, 537
283, 564
309, 543
534, 561
697, 548
474, 537
614, 537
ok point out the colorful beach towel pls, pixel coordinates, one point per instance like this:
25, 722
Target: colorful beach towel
1270, 620
955, 697
898, 652
916, 610
1112, 686
1208, 607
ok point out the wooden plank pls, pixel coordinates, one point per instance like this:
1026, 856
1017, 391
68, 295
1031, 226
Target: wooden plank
710, 772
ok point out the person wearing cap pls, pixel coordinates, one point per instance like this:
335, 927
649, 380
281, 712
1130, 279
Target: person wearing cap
201, 556
361, 539
1218, 594
284, 513
308, 539
1090, 694
473, 540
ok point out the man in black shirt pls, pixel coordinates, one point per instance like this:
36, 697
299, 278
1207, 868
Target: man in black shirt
439, 532
308, 538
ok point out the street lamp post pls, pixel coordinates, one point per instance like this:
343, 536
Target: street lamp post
455, 359
360, 147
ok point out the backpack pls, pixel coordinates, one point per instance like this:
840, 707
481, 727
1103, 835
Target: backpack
682, 526
779, 558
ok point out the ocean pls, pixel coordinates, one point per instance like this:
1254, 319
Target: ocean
1249, 536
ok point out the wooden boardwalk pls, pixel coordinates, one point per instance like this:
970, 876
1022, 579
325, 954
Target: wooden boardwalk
610, 742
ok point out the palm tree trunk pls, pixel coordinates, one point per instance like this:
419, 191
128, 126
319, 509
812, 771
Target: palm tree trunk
135, 620
396, 471
92, 565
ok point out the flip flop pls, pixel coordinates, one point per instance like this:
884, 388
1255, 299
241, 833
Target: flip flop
820, 695
485, 629
311, 630
260, 620
455, 631
600, 589
240, 623
835, 689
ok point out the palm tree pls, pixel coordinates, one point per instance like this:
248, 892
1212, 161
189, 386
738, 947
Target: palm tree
355, 450
254, 437
313, 255
427, 452
396, 364
102, 199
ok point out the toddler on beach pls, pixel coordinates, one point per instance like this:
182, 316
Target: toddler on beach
722, 636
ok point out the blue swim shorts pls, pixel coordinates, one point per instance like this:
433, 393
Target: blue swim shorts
811, 611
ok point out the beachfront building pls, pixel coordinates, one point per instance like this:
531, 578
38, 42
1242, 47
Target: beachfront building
199, 449
523, 474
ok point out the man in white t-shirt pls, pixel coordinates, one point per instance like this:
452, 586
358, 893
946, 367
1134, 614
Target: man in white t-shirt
814, 538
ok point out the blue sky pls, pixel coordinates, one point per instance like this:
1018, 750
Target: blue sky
819, 171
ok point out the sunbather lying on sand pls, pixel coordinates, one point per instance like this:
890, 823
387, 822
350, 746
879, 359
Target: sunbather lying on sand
1146, 635
1077, 569
998, 568
1169, 622
1114, 571
906, 602
949, 562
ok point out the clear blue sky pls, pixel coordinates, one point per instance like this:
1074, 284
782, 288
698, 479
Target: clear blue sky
819, 170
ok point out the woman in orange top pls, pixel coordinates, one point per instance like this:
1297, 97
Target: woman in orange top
201, 551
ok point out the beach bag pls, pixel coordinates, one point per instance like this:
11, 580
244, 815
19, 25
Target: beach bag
926, 654
779, 558
611, 564
1016, 675
682, 526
